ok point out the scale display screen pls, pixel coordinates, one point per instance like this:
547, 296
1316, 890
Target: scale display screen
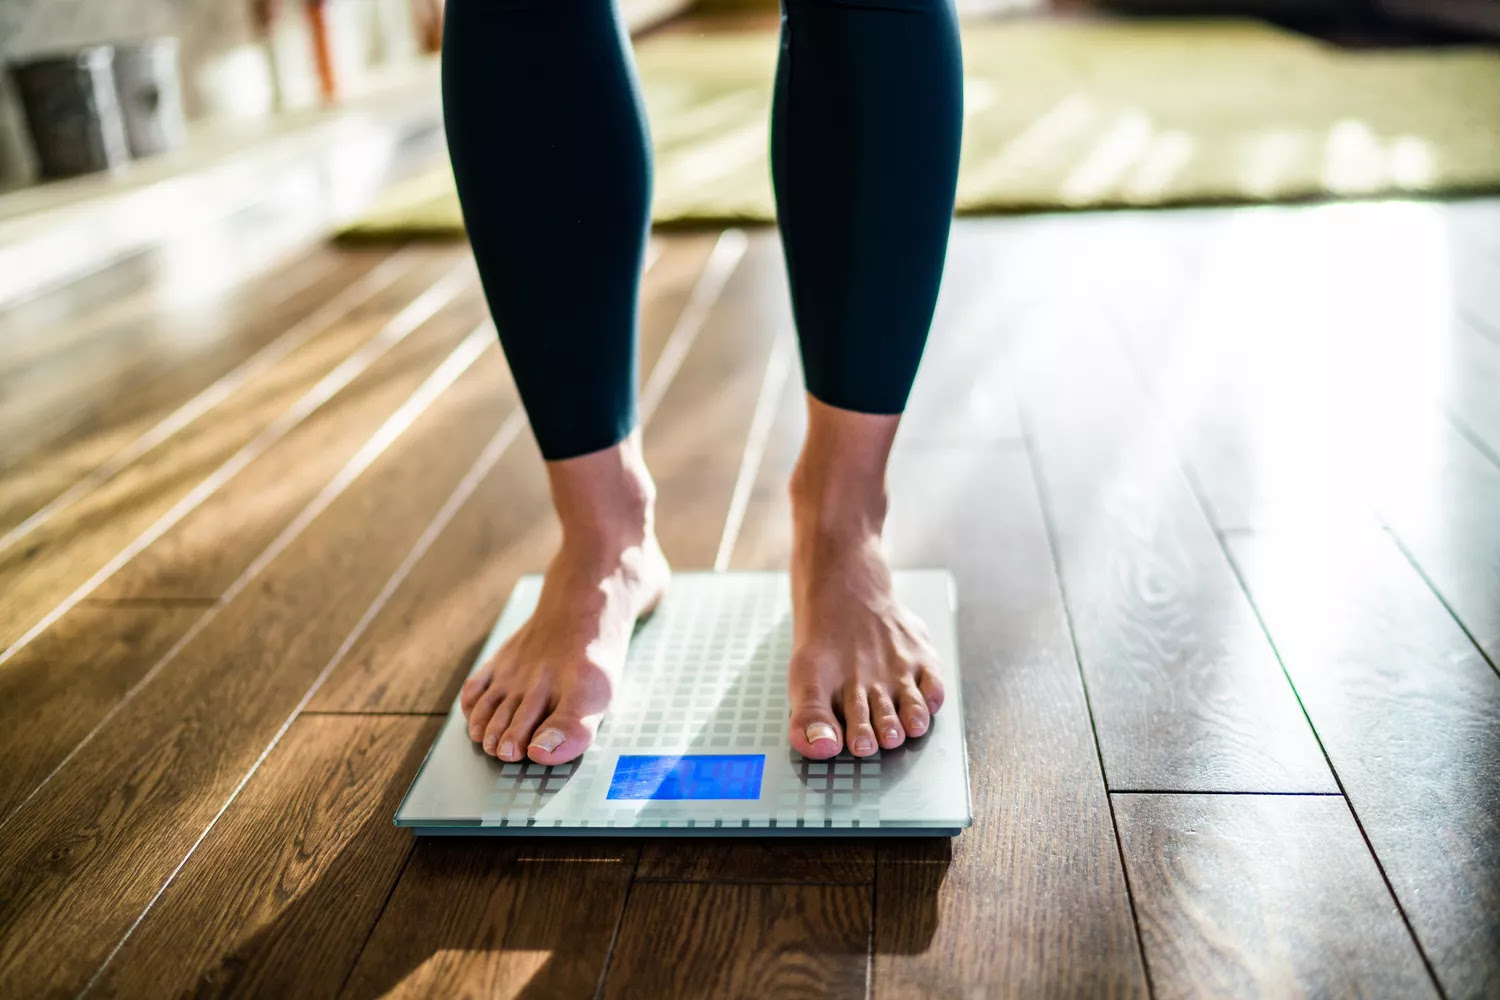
695, 776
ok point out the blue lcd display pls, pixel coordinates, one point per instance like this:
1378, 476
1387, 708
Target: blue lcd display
705, 776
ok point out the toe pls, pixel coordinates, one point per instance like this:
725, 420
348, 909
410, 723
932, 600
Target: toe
913, 710
499, 722
889, 731
561, 737
931, 687
483, 710
814, 730
473, 688
518, 734
859, 736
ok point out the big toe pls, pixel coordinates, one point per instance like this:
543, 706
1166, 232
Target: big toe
815, 731
560, 737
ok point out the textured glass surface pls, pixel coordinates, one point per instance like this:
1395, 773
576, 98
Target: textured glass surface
706, 679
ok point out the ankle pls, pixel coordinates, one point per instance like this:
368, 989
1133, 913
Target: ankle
838, 489
606, 500
836, 507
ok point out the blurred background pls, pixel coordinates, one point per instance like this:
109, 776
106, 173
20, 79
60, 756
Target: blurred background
1070, 104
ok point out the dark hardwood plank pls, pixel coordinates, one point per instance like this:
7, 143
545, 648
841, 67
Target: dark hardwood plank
282, 894
1186, 693
389, 856
746, 860
417, 652
120, 427
79, 405
204, 553
486, 918
388, 384
55, 691
29, 486
1039, 870
691, 940
1409, 712
67, 321
1263, 895
47, 566
82, 858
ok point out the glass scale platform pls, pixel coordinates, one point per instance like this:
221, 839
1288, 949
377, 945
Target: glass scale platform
695, 742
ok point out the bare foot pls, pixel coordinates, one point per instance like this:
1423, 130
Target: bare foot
544, 693
863, 673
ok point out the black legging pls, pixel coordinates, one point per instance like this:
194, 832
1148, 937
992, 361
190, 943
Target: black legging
548, 138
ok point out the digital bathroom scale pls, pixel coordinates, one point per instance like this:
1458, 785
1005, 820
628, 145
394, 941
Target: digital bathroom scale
695, 742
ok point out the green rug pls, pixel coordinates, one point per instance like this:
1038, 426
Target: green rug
1072, 115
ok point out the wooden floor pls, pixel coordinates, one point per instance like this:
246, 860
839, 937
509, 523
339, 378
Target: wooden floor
1221, 490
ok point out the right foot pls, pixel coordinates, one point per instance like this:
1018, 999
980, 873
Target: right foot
545, 692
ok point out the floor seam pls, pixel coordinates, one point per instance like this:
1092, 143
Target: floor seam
1049, 532
1200, 498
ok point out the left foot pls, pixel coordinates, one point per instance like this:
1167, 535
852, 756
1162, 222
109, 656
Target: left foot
863, 674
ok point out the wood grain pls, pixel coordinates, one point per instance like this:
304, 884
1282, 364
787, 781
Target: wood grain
124, 298
748, 861
1409, 712
28, 486
208, 549
416, 654
692, 940
1039, 870
1186, 692
49, 564
485, 919
284, 891
79, 403
1237, 894
60, 686
1263, 895
85, 855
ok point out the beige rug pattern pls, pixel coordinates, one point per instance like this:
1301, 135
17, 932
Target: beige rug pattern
1073, 115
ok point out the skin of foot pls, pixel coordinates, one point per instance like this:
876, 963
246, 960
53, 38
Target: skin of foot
863, 672
544, 693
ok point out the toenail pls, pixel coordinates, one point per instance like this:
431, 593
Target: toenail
917, 727
820, 731
864, 745
893, 733
475, 733
549, 739
507, 749
489, 744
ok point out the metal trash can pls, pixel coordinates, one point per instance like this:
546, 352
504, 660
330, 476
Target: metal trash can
72, 112
150, 95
